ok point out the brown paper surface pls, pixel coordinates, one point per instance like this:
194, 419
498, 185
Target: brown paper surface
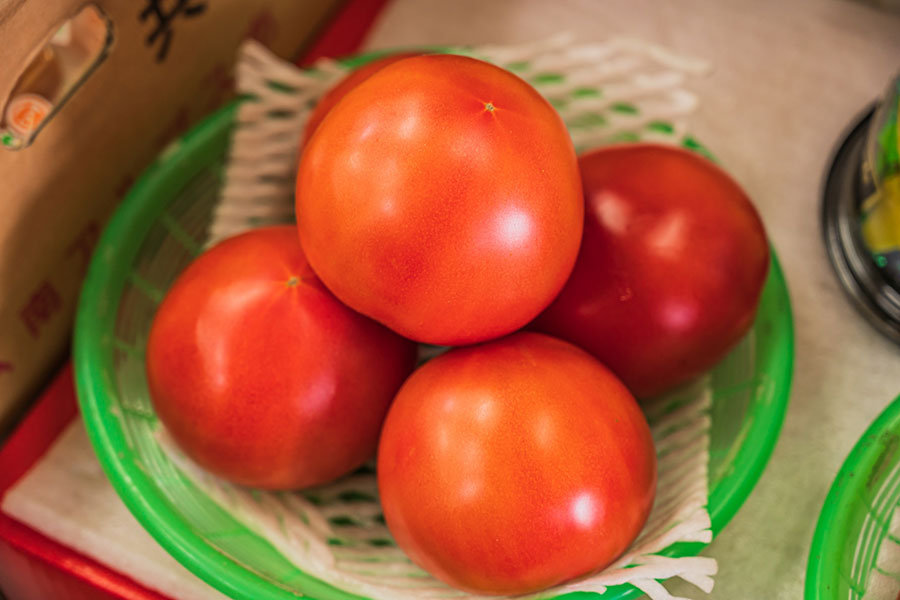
56, 195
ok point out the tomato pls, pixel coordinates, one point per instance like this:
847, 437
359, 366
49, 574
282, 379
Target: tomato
261, 376
514, 465
350, 81
441, 197
671, 268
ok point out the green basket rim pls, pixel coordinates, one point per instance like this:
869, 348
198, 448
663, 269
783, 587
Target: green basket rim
828, 543
760, 441
151, 509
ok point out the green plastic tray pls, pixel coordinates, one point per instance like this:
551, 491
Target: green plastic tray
160, 228
857, 513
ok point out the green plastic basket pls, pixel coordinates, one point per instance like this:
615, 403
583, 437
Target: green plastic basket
857, 514
160, 228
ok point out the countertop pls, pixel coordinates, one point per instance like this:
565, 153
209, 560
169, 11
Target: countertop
789, 77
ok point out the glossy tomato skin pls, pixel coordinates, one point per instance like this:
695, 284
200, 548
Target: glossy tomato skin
514, 465
350, 81
261, 376
672, 264
441, 197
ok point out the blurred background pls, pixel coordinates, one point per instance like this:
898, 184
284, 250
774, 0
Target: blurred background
91, 93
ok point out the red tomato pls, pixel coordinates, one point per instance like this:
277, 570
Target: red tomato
353, 79
261, 376
441, 197
514, 465
671, 268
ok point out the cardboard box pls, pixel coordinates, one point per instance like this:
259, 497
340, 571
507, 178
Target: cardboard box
169, 63
34, 565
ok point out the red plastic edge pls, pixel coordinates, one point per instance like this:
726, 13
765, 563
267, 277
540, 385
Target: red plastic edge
38, 429
346, 32
33, 566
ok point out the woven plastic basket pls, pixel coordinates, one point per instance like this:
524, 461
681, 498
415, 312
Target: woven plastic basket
853, 542
161, 226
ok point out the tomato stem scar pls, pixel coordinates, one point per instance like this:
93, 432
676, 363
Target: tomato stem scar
293, 281
489, 107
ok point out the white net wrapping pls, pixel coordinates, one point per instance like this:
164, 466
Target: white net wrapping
336, 533
620, 90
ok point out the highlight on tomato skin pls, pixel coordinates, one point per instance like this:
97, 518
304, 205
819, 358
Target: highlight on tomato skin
441, 197
261, 376
340, 89
671, 267
515, 465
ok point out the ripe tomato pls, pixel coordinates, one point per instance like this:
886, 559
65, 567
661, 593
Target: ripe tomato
350, 81
261, 376
514, 465
441, 197
671, 268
